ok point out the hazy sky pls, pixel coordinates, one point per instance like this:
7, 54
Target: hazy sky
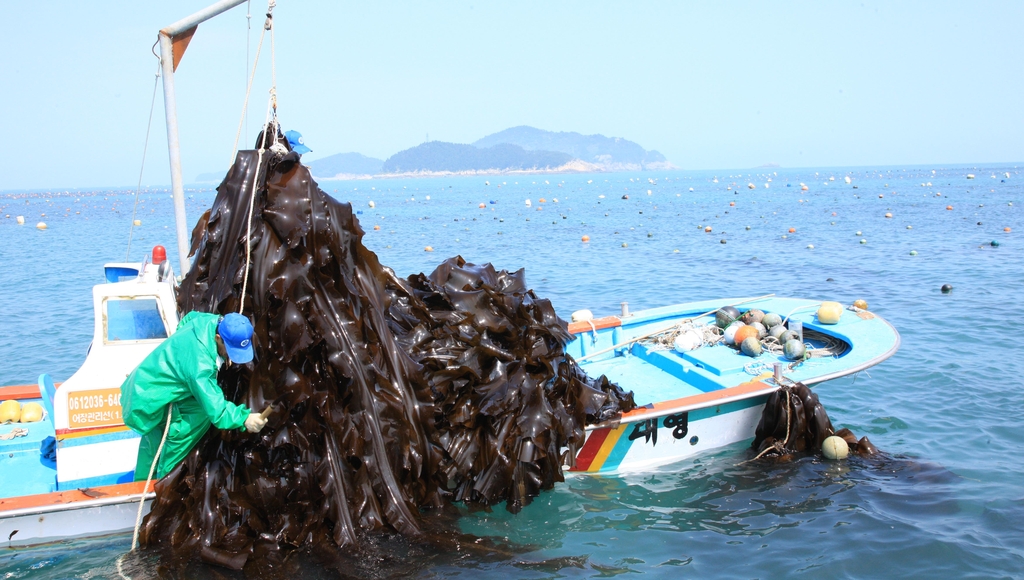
711, 85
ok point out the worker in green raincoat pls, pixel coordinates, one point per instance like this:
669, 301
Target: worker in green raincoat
182, 373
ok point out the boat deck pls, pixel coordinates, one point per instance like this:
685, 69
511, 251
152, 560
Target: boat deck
657, 374
26, 471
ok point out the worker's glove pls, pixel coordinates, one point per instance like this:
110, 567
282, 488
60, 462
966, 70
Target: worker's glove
254, 423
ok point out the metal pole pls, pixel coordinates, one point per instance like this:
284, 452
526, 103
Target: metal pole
170, 112
173, 151
201, 16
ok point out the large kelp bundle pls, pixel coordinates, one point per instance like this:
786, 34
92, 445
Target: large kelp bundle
390, 396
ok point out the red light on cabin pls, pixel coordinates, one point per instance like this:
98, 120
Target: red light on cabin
159, 255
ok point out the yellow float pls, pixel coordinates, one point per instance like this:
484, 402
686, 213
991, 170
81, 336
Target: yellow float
31, 413
830, 312
10, 412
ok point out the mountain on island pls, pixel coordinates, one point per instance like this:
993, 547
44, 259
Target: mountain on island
612, 153
517, 150
438, 156
345, 164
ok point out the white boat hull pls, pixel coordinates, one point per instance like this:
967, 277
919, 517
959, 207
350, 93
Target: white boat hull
84, 518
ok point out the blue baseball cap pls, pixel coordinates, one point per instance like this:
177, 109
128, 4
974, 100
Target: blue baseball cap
295, 140
236, 332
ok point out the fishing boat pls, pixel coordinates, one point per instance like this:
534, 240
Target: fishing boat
695, 400
72, 473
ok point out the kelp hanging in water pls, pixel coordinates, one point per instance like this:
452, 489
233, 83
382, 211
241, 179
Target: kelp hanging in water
794, 421
390, 396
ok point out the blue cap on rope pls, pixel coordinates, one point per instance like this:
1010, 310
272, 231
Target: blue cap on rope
295, 140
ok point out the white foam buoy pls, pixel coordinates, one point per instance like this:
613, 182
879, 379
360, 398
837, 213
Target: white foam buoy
835, 448
373, 205
730, 332
41, 226
687, 340
21, 220
582, 316
137, 222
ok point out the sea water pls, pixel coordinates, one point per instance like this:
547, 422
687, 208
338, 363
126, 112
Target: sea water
945, 500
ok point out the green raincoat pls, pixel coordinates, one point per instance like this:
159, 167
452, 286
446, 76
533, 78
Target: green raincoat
181, 372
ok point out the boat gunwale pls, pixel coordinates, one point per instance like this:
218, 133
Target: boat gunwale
21, 392
74, 499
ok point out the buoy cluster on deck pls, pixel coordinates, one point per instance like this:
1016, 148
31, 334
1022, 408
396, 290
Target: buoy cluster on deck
754, 331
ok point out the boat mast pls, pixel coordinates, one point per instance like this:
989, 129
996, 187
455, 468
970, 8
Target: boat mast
182, 29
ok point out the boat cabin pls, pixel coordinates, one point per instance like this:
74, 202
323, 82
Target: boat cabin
134, 310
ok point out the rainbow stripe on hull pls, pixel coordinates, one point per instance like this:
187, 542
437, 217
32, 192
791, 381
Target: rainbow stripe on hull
651, 442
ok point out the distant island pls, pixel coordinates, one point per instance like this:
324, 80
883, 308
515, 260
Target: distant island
512, 151
608, 153
437, 156
346, 164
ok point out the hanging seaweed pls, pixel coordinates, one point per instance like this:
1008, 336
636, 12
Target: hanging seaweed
794, 421
390, 396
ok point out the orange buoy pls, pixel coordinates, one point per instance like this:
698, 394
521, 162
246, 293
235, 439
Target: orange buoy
804, 188
376, 228
707, 229
585, 238
745, 332
428, 249
481, 206
732, 204
949, 207
1007, 230
888, 215
542, 200
833, 214
792, 230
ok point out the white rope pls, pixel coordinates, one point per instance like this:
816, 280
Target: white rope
252, 76
268, 25
248, 45
145, 147
145, 490
270, 116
